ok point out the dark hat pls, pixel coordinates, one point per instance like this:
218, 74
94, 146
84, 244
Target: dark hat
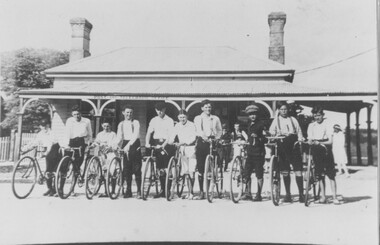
251, 109
337, 126
160, 105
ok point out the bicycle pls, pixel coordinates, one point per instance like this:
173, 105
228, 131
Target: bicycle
151, 176
67, 175
114, 175
26, 173
213, 174
274, 168
311, 180
173, 177
94, 177
236, 177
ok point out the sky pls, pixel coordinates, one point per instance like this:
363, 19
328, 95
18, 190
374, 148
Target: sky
317, 33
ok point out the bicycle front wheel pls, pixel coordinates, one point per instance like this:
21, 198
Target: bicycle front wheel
24, 177
114, 178
148, 178
171, 179
209, 178
310, 183
218, 177
65, 177
236, 180
93, 177
275, 180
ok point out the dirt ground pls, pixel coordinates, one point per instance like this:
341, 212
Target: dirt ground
39, 219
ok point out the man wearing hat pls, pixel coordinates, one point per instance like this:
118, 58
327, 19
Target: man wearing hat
255, 152
161, 128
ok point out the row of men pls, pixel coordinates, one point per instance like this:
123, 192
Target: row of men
162, 131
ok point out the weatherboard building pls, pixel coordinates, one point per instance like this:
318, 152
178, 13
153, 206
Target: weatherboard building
183, 77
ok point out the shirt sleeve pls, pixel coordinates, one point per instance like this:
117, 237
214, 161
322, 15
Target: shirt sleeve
310, 132
174, 134
136, 131
198, 128
273, 127
169, 129
298, 128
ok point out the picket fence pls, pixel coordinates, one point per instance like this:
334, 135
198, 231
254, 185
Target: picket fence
9, 145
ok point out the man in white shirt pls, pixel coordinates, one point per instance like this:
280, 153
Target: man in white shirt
79, 133
128, 136
207, 126
48, 141
161, 127
321, 132
186, 134
285, 125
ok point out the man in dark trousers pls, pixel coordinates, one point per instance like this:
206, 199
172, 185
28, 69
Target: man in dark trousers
161, 127
255, 152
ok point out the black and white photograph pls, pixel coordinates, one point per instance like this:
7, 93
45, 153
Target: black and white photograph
189, 121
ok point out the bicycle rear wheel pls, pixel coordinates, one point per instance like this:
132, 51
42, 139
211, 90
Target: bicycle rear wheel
275, 180
209, 178
236, 183
24, 177
93, 177
114, 178
172, 176
65, 177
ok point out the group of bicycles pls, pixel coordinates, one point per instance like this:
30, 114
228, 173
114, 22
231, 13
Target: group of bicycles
93, 173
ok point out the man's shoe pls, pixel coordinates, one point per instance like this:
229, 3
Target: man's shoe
128, 194
52, 193
47, 193
288, 198
246, 197
301, 198
103, 195
138, 195
160, 194
201, 196
257, 198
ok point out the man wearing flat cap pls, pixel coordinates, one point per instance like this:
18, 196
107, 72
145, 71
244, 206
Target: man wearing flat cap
255, 152
161, 128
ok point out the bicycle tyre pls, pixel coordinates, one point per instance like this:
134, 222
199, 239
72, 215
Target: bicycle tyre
24, 177
171, 178
65, 178
93, 177
209, 178
114, 178
180, 182
236, 180
309, 182
275, 180
218, 177
147, 178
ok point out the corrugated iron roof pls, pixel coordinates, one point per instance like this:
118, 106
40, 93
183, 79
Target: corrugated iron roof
169, 59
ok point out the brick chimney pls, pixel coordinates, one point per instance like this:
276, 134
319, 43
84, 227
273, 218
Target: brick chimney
276, 21
80, 38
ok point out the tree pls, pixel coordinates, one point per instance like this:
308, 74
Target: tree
24, 69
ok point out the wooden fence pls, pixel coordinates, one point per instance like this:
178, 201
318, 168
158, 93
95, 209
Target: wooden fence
9, 145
